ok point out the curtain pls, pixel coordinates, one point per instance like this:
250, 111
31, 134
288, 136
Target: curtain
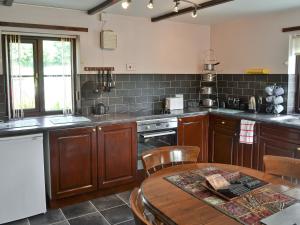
14, 42
65, 57
296, 45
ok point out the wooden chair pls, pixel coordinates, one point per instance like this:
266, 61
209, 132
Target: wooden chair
159, 158
138, 209
287, 168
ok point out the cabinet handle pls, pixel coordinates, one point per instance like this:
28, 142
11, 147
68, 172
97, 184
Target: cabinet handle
223, 122
298, 149
180, 120
94, 130
99, 128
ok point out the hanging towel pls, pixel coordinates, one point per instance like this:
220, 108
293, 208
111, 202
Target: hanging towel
247, 132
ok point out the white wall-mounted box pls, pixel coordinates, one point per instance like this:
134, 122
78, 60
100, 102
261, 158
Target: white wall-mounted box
108, 39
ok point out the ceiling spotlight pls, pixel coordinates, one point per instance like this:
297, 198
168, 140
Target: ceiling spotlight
150, 4
176, 7
125, 4
194, 13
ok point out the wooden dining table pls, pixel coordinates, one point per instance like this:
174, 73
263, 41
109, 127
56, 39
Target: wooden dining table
173, 206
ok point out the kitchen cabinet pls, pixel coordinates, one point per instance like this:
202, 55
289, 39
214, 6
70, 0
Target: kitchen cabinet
223, 143
117, 154
73, 161
248, 153
278, 141
193, 131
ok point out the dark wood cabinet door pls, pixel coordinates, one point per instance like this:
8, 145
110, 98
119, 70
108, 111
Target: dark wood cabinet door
223, 140
193, 131
117, 153
248, 153
224, 146
73, 161
275, 147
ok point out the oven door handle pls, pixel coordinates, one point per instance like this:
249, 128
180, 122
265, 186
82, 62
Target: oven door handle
157, 134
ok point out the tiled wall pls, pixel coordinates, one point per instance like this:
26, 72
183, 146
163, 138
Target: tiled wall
244, 86
139, 92
2, 97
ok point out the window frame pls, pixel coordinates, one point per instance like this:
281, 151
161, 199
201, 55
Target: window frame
38, 74
297, 74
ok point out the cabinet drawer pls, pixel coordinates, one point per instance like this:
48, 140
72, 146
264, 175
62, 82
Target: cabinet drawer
273, 132
226, 123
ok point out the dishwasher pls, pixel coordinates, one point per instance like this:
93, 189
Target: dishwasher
22, 188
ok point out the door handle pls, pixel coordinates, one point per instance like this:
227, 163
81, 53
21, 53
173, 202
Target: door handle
298, 149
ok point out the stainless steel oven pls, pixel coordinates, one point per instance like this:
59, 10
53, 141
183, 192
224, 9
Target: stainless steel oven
155, 133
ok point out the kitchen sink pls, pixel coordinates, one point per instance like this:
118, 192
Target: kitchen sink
19, 124
69, 119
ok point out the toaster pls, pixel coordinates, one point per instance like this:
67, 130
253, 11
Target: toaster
174, 103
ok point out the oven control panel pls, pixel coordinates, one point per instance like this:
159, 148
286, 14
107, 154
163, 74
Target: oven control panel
157, 124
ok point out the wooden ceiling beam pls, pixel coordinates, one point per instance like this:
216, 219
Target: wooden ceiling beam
290, 29
8, 2
102, 6
190, 9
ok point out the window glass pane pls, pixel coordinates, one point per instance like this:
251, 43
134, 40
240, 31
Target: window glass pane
56, 87
57, 61
25, 52
23, 92
57, 57
22, 77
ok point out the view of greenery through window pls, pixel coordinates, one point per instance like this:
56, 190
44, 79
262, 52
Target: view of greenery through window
23, 86
57, 79
57, 62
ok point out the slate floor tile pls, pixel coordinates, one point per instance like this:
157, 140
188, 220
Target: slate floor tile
118, 214
78, 210
107, 202
89, 219
125, 196
130, 222
61, 223
51, 216
18, 222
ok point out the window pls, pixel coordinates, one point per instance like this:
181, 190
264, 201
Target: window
294, 67
40, 74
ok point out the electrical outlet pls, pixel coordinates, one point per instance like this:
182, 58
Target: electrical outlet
130, 67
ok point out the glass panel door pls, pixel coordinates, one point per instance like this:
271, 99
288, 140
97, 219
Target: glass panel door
23, 75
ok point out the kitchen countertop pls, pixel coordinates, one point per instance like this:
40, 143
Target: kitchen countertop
45, 123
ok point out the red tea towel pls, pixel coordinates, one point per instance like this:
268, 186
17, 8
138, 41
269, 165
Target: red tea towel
247, 132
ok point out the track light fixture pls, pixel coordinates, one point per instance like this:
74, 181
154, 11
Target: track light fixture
150, 4
194, 13
126, 4
176, 7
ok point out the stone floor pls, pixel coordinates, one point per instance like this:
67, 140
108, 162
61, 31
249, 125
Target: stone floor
113, 209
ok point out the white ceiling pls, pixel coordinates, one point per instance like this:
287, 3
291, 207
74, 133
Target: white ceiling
216, 14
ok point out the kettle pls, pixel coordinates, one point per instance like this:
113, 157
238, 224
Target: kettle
100, 109
252, 104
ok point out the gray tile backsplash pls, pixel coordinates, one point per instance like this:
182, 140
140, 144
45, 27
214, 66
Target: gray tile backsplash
135, 92
244, 86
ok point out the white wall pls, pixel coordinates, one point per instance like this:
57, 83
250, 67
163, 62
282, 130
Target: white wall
164, 47
254, 42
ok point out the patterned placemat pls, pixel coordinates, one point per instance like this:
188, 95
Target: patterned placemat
248, 209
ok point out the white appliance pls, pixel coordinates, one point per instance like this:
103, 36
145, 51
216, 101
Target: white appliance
174, 103
22, 188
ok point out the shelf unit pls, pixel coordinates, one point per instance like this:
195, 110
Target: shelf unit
205, 83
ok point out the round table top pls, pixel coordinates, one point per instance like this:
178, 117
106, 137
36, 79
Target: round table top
175, 206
